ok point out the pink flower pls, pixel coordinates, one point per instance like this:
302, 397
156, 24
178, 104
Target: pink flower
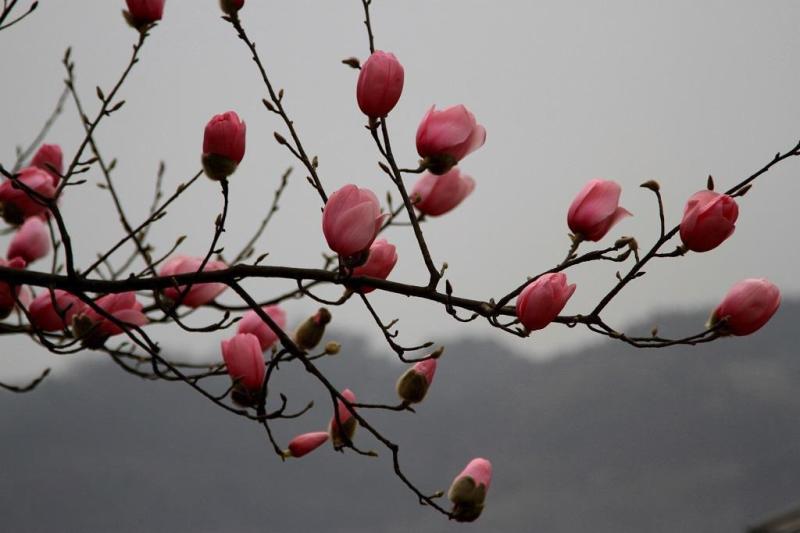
306, 443
223, 145
380, 84
48, 315
747, 307
469, 488
380, 262
342, 431
9, 293
94, 328
200, 293
142, 13
351, 220
17, 204
439, 194
231, 7
31, 242
414, 383
708, 219
541, 301
252, 323
245, 361
596, 209
446, 137
50, 158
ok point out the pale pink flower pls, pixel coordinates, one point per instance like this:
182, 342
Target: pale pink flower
380, 84
447, 136
31, 241
306, 443
54, 312
17, 204
252, 323
436, 195
351, 220
223, 145
245, 361
747, 306
50, 158
708, 219
596, 210
541, 301
380, 262
200, 293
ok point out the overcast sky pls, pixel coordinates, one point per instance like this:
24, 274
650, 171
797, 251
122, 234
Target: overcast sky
568, 91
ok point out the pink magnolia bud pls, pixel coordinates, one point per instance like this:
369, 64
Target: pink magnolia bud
310, 331
142, 13
446, 137
17, 204
252, 323
747, 307
414, 383
200, 293
50, 158
94, 328
596, 209
306, 443
342, 431
708, 219
223, 145
245, 362
380, 262
351, 220
231, 7
380, 84
54, 312
9, 293
436, 195
541, 301
468, 490
31, 242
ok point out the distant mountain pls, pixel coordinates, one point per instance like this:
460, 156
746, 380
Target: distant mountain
611, 439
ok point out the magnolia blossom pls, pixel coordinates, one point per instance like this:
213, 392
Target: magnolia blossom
54, 311
31, 241
351, 220
542, 300
436, 195
708, 219
223, 145
50, 158
231, 7
306, 443
245, 361
252, 323
596, 209
200, 293
142, 13
94, 328
414, 383
380, 84
447, 136
380, 262
342, 427
9, 293
469, 488
17, 204
747, 306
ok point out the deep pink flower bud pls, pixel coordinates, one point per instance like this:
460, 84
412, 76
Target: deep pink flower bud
380, 262
17, 205
54, 312
596, 209
231, 7
342, 431
223, 145
541, 301
747, 307
306, 443
469, 488
245, 361
252, 323
414, 383
708, 219
94, 328
439, 194
200, 293
9, 293
50, 158
142, 13
380, 84
351, 220
31, 242
446, 137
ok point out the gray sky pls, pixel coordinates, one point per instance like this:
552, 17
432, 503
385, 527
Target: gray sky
568, 91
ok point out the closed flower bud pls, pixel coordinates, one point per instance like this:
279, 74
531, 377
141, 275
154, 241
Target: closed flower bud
252, 323
596, 210
50, 158
343, 429
310, 332
380, 84
245, 362
380, 262
9, 293
306, 443
747, 306
436, 195
54, 311
468, 490
446, 137
223, 145
93, 328
200, 293
17, 204
414, 383
541, 301
231, 7
351, 220
31, 242
142, 13
708, 219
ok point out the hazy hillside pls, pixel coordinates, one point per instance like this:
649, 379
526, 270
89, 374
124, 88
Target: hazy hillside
609, 440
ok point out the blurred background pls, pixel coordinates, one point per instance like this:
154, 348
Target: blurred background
694, 440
